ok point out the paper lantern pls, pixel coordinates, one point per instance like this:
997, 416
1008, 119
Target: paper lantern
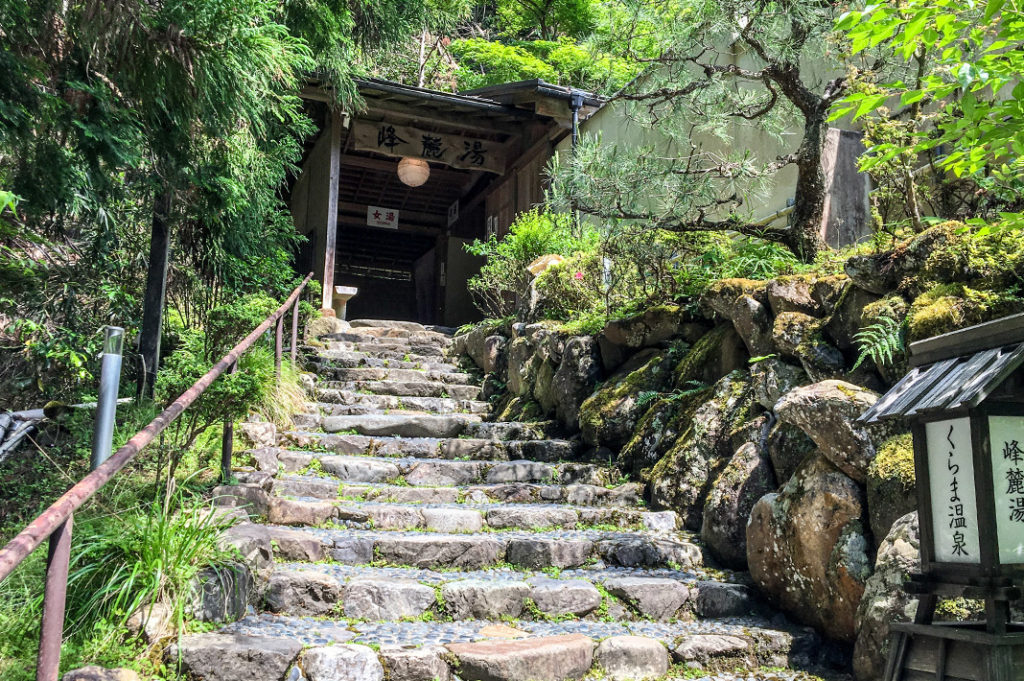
413, 171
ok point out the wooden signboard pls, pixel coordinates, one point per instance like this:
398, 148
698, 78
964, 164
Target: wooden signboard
951, 479
453, 150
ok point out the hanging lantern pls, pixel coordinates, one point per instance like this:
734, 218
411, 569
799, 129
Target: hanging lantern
413, 171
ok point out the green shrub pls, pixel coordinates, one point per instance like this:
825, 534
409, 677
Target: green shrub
504, 276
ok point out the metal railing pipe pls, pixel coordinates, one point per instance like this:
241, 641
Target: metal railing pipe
59, 511
106, 403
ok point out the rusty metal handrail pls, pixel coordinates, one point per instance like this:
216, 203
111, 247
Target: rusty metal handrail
56, 521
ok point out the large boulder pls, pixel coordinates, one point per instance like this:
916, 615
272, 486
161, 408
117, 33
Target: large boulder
848, 318
813, 295
787, 446
574, 380
881, 273
884, 600
744, 302
681, 480
523, 363
747, 477
799, 336
648, 328
806, 548
772, 378
827, 413
717, 353
608, 416
656, 432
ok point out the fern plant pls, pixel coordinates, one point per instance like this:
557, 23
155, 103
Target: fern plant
880, 341
648, 396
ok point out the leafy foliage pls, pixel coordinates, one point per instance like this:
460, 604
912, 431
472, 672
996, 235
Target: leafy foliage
881, 341
966, 96
504, 277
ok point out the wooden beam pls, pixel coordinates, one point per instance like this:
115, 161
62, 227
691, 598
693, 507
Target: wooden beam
407, 227
327, 298
466, 122
359, 210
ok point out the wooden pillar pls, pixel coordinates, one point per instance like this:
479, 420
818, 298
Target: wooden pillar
156, 287
331, 242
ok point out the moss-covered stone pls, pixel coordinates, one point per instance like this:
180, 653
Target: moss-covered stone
731, 289
891, 484
948, 307
607, 417
681, 479
658, 429
714, 355
519, 408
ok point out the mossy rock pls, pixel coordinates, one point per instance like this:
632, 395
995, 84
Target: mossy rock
731, 289
948, 307
715, 354
891, 486
657, 430
681, 479
607, 417
521, 409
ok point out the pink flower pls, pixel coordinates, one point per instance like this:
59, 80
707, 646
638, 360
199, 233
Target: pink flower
578, 276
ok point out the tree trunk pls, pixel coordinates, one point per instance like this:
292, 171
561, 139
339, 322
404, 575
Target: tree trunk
809, 198
156, 287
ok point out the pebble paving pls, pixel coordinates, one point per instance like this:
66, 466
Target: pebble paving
313, 631
346, 572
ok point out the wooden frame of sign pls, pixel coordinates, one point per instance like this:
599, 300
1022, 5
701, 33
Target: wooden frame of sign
964, 397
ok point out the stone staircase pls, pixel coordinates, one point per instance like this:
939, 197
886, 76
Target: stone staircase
394, 533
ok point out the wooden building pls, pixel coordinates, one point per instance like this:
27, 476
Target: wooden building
388, 195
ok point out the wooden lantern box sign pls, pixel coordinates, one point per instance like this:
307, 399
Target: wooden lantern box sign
964, 398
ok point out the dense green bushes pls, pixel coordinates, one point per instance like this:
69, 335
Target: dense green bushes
609, 270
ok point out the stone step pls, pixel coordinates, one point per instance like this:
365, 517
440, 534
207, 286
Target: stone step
393, 375
390, 336
392, 348
434, 448
622, 594
435, 550
269, 647
355, 360
629, 495
422, 388
390, 354
436, 472
309, 502
332, 400
394, 424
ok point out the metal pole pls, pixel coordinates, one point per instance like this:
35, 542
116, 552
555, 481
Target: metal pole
227, 445
54, 599
106, 407
278, 346
295, 333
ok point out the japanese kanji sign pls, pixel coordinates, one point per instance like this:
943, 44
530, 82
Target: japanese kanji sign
454, 150
951, 473
385, 218
1006, 434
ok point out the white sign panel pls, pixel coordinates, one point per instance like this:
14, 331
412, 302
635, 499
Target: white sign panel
954, 508
453, 213
385, 218
1006, 434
